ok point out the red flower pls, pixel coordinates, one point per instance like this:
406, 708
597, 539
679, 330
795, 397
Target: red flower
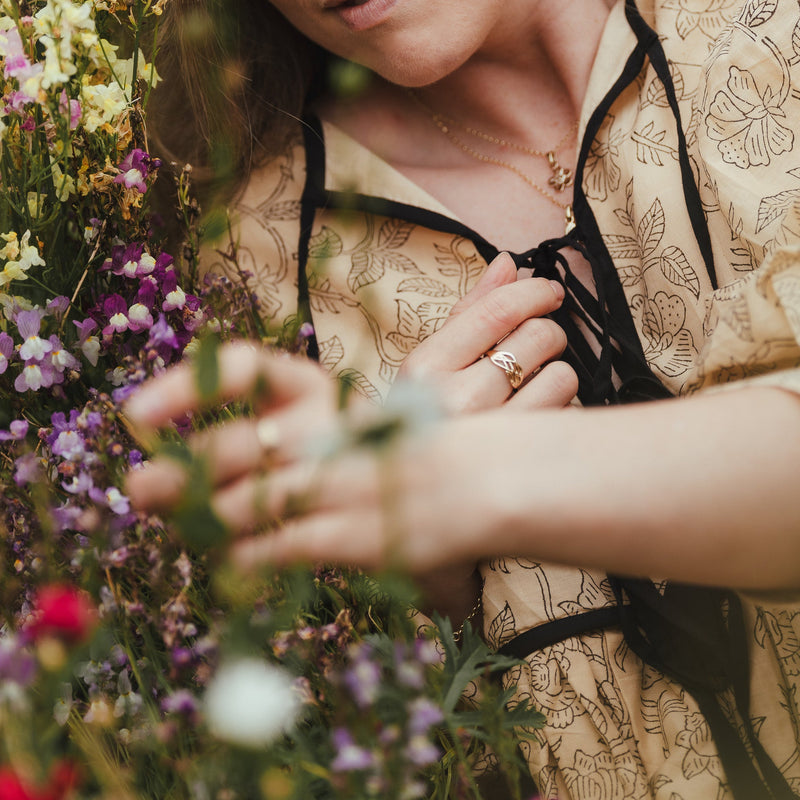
63, 612
12, 788
64, 777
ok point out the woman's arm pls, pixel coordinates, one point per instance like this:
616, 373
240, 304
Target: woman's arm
697, 489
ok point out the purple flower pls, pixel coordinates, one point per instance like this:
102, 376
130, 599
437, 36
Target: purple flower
80, 484
421, 752
182, 702
18, 429
140, 318
116, 311
27, 469
349, 756
134, 169
162, 335
363, 677
89, 345
112, 498
66, 517
6, 351
60, 358
58, 305
34, 347
69, 445
174, 296
422, 715
35, 375
74, 108
16, 665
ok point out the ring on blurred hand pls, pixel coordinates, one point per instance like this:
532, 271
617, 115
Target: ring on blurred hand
509, 364
268, 436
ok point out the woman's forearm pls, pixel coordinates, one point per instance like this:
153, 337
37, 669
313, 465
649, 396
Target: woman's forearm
702, 489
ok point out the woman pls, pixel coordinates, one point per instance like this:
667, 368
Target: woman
679, 278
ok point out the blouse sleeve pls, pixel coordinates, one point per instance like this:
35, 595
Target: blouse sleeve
748, 150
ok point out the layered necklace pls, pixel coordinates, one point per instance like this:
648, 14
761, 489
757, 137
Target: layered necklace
560, 179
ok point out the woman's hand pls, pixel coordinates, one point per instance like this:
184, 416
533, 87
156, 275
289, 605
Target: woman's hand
295, 403
499, 313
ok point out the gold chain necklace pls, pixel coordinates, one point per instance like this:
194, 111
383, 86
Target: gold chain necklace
560, 179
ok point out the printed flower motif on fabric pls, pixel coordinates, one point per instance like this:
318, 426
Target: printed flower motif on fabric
602, 777
747, 120
706, 17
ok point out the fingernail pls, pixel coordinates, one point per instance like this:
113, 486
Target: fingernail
558, 289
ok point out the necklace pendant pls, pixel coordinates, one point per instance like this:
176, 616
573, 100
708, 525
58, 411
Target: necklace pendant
569, 220
561, 178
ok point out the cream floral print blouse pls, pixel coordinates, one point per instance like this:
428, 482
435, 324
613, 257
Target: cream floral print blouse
700, 227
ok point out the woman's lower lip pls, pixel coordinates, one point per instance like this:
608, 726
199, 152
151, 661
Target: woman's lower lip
367, 15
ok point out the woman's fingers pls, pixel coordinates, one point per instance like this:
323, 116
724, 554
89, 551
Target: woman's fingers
554, 387
501, 271
490, 381
244, 369
479, 327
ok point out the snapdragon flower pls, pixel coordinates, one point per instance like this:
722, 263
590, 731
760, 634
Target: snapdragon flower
6, 350
33, 346
135, 167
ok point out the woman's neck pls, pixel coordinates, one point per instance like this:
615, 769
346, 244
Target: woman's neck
540, 51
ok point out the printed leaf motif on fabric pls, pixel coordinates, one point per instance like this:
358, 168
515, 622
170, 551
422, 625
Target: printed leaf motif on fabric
365, 269
325, 244
429, 287
656, 91
331, 352
621, 246
651, 230
675, 267
744, 120
655, 712
359, 383
459, 260
757, 12
282, 211
651, 146
502, 629
394, 233
369, 264
776, 206
416, 324
322, 296
796, 39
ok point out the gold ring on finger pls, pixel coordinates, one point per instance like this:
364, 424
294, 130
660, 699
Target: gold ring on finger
509, 364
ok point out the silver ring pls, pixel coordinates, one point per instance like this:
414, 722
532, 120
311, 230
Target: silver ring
509, 364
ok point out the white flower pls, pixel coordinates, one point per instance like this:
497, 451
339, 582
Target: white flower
251, 703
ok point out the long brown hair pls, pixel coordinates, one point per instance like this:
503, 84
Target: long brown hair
236, 76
